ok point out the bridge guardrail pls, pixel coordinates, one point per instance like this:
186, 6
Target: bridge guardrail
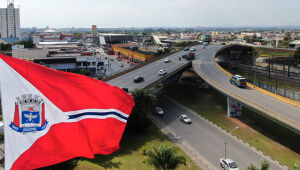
295, 126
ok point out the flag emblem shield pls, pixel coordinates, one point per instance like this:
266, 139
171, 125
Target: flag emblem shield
29, 114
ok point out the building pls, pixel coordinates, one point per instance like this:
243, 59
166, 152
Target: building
94, 31
30, 54
10, 22
295, 44
73, 64
130, 52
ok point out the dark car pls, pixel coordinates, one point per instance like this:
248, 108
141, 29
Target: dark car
184, 56
186, 49
138, 79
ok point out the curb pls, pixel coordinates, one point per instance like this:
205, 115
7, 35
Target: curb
189, 150
267, 157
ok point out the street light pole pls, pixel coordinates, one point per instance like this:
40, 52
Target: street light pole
228, 138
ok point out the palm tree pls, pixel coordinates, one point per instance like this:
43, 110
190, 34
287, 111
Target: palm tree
164, 158
296, 167
143, 102
264, 165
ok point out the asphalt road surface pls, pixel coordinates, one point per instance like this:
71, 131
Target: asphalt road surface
149, 72
207, 66
207, 139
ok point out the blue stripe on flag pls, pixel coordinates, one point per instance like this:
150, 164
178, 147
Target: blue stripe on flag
97, 114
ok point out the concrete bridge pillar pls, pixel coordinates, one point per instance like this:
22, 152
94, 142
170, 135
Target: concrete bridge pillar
234, 108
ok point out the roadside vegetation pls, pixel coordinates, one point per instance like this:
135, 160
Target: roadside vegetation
132, 154
268, 52
267, 136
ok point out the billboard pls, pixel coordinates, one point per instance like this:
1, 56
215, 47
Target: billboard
234, 108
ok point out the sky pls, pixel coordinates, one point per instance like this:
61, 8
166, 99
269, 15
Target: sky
157, 13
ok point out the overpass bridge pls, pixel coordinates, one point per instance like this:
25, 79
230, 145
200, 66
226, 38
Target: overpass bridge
206, 67
268, 106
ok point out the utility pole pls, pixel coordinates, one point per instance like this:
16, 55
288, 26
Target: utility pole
269, 68
225, 143
289, 66
276, 81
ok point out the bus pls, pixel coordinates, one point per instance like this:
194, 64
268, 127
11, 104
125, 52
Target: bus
238, 81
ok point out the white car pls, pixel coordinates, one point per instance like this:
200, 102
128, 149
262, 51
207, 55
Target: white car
167, 60
159, 111
162, 72
228, 164
193, 49
185, 119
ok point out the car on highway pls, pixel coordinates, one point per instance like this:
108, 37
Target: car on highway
193, 49
185, 119
167, 60
162, 72
138, 79
228, 164
186, 49
238, 81
158, 111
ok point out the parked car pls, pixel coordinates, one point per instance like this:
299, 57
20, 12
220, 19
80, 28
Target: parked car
186, 49
167, 60
228, 164
193, 49
162, 72
159, 111
238, 81
138, 79
185, 119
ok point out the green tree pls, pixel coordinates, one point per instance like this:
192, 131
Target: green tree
247, 39
27, 44
84, 72
164, 158
296, 167
264, 165
297, 56
138, 120
5, 47
79, 34
287, 37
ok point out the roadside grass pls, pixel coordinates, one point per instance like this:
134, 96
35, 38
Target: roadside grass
131, 156
267, 136
265, 52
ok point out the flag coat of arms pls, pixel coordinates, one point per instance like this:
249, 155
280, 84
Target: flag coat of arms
52, 116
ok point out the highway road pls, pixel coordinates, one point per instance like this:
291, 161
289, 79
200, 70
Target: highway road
149, 72
205, 138
276, 108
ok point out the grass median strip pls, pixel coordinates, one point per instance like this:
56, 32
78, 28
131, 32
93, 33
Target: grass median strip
131, 156
267, 136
